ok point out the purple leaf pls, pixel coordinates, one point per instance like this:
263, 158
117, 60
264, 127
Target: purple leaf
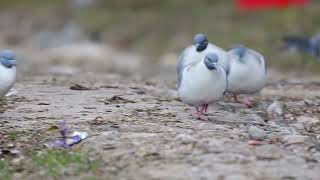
63, 129
65, 141
60, 143
74, 140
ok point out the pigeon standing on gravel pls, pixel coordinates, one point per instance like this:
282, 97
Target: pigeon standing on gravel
199, 50
201, 82
7, 71
247, 72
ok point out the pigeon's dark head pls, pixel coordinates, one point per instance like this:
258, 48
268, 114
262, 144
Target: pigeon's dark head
201, 42
8, 58
211, 61
296, 43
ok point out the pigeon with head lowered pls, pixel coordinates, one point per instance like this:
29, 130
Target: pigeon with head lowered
246, 73
200, 48
7, 70
202, 82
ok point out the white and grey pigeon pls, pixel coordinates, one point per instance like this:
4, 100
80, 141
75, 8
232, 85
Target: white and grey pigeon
199, 50
247, 72
7, 70
202, 82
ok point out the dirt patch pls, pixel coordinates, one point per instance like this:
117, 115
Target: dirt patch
140, 130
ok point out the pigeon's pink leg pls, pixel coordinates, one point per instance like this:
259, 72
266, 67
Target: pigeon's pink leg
199, 114
204, 108
249, 103
235, 98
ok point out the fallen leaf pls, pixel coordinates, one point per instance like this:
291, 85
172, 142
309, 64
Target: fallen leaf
109, 86
79, 87
53, 128
118, 100
97, 121
45, 104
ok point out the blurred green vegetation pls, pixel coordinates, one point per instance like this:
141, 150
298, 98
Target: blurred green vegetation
5, 171
155, 27
55, 162
11, 4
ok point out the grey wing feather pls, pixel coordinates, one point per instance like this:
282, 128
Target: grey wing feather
180, 67
227, 72
240, 50
180, 62
261, 59
265, 65
227, 69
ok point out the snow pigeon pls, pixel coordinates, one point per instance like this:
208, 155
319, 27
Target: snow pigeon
246, 73
7, 71
201, 82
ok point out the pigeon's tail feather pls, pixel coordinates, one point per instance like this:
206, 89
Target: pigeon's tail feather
240, 51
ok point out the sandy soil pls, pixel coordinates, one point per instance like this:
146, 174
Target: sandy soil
138, 129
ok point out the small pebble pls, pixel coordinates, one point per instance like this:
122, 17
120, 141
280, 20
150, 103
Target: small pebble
256, 133
275, 109
185, 139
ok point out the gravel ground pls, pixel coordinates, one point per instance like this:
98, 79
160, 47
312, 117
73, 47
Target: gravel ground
138, 129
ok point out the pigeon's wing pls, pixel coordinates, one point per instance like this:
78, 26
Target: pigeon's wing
182, 63
264, 63
227, 66
180, 66
240, 50
259, 57
227, 73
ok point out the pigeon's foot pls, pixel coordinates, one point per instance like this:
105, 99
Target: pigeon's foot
199, 113
204, 108
201, 117
249, 103
235, 98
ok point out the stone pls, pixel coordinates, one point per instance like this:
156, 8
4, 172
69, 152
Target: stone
275, 109
298, 126
255, 120
185, 139
238, 177
268, 152
308, 122
256, 133
296, 139
274, 137
110, 134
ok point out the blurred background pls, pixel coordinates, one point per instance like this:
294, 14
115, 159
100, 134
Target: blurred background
145, 37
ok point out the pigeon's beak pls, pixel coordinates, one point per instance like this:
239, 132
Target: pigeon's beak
201, 47
197, 46
9, 63
212, 66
